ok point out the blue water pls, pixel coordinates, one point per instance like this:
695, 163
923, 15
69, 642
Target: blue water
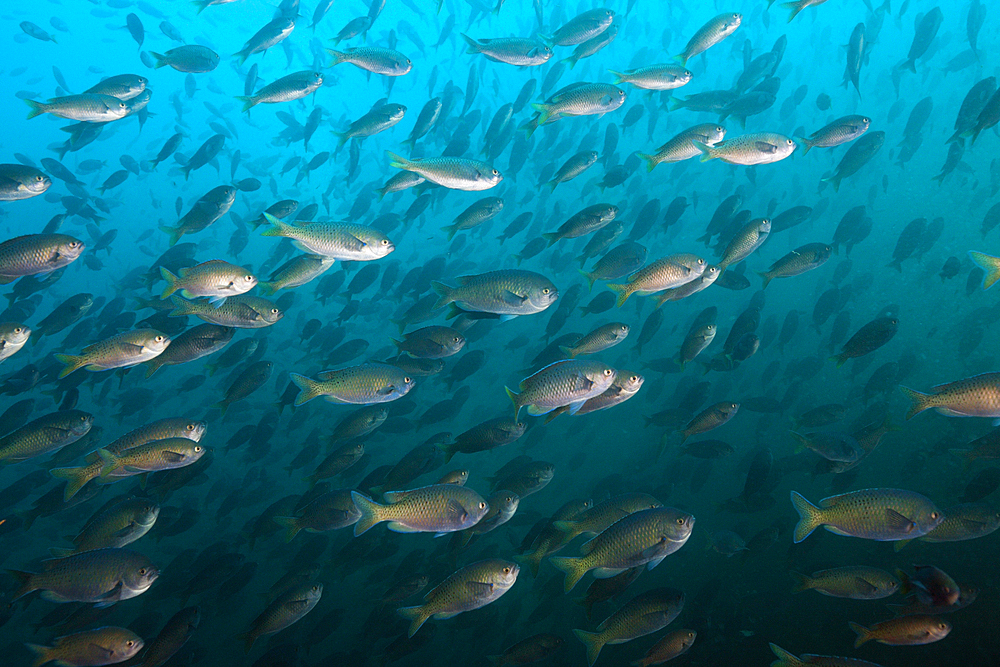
736, 604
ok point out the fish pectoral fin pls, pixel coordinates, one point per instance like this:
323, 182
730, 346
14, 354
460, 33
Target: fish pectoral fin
386, 390
479, 588
575, 407
454, 511
97, 649
536, 410
173, 457
837, 531
111, 597
126, 531
765, 147
897, 521
354, 243
865, 587
973, 526
582, 383
297, 606
512, 299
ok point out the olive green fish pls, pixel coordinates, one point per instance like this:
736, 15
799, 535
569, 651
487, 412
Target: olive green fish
454, 173
360, 385
37, 254
569, 382
681, 147
438, 508
976, 396
241, 312
336, 240
883, 515
644, 614
287, 609
215, 279
103, 646
286, 89
128, 348
86, 108
18, 181
856, 582
101, 577
44, 435
13, 336
508, 293
710, 34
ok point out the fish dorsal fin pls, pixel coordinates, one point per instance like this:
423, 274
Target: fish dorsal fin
393, 497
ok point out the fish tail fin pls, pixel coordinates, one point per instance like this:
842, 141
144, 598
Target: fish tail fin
899, 544
705, 149
370, 514
989, 264
810, 517
808, 145
840, 359
267, 288
291, 526
532, 559
181, 307
451, 229
248, 102
448, 448
171, 285
568, 351
515, 399
864, 634
73, 362
834, 181
650, 161
619, 76
801, 582
767, 279
623, 292
161, 60
784, 658
544, 111
277, 228
796, 7
417, 616
591, 278
442, 291
43, 654
397, 161
173, 232
918, 401
76, 479
37, 108
473, 45
247, 639
909, 64
551, 237
337, 56
682, 59
309, 388
593, 641
223, 406
573, 567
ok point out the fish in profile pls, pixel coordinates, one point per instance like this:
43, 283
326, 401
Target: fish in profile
967, 521
582, 27
359, 385
44, 435
241, 312
215, 279
343, 241
119, 525
903, 631
101, 577
528, 650
37, 254
884, 515
655, 77
856, 582
507, 293
469, 588
681, 147
172, 638
644, 537
374, 59
672, 644
103, 646
518, 51
710, 34
438, 508
287, 609
123, 350
454, 173
976, 396
837, 132
85, 108
13, 336
644, 614
659, 275
288, 88
868, 338
190, 58
569, 382
858, 155
804, 258
749, 149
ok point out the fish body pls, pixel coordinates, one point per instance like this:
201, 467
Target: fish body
288, 88
749, 149
857, 156
37, 254
853, 582
101, 577
977, 396
655, 77
710, 34
883, 515
44, 435
190, 58
516, 51
802, 259
569, 382
682, 147
508, 293
367, 384
454, 173
18, 181
241, 312
469, 588
343, 241
644, 614
85, 108
287, 609
123, 350
103, 646
374, 59
837, 132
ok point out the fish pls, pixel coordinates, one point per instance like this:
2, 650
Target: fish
853, 582
569, 382
836, 133
868, 338
13, 336
682, 147
655, 77
286, 610
103, 646
374, 59
241, 311
123, 350
469, 588
903, 631
101, 577
582, 27
786, 659
662, 274
37, 254
366, 384
670, 646
804, 258
644, 537
710, 34
858, 155
508, 293
19, 182
44, 435
644, 614
190, 58
976, 396
288, 88
454, 173
517, 51
883, 515
749, 149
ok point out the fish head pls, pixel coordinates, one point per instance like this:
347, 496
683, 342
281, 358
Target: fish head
505, 575
630, 382
70, 248
194, 430
16, 335
141, 576
541, 296
35, 183
147, 513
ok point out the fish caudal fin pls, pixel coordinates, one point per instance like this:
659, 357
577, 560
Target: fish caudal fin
291, 526
76, 479
277, 228
417, 617
810, 517
37, 108
43, 654
442, 291
310, 388
573, 567
989, 264
784, 658
623, 292
72, 363
514, 398
919, 402
370, 515
706, 151
171, 285
594, 641
802, 582
864, 634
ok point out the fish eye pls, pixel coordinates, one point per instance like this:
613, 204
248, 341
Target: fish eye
248, 278
942, 625
680, 521
315, 588
38, 178
634, 378
482, 506
142, 570
190, 427
506, 570
457, 339
545, 290
866, 120
18, 330
496, 173
130, 643
159, 339
608, 371
789, 142
274, 311
934, 515
385, 241
407, 380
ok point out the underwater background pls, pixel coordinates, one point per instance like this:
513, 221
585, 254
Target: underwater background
891, 243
